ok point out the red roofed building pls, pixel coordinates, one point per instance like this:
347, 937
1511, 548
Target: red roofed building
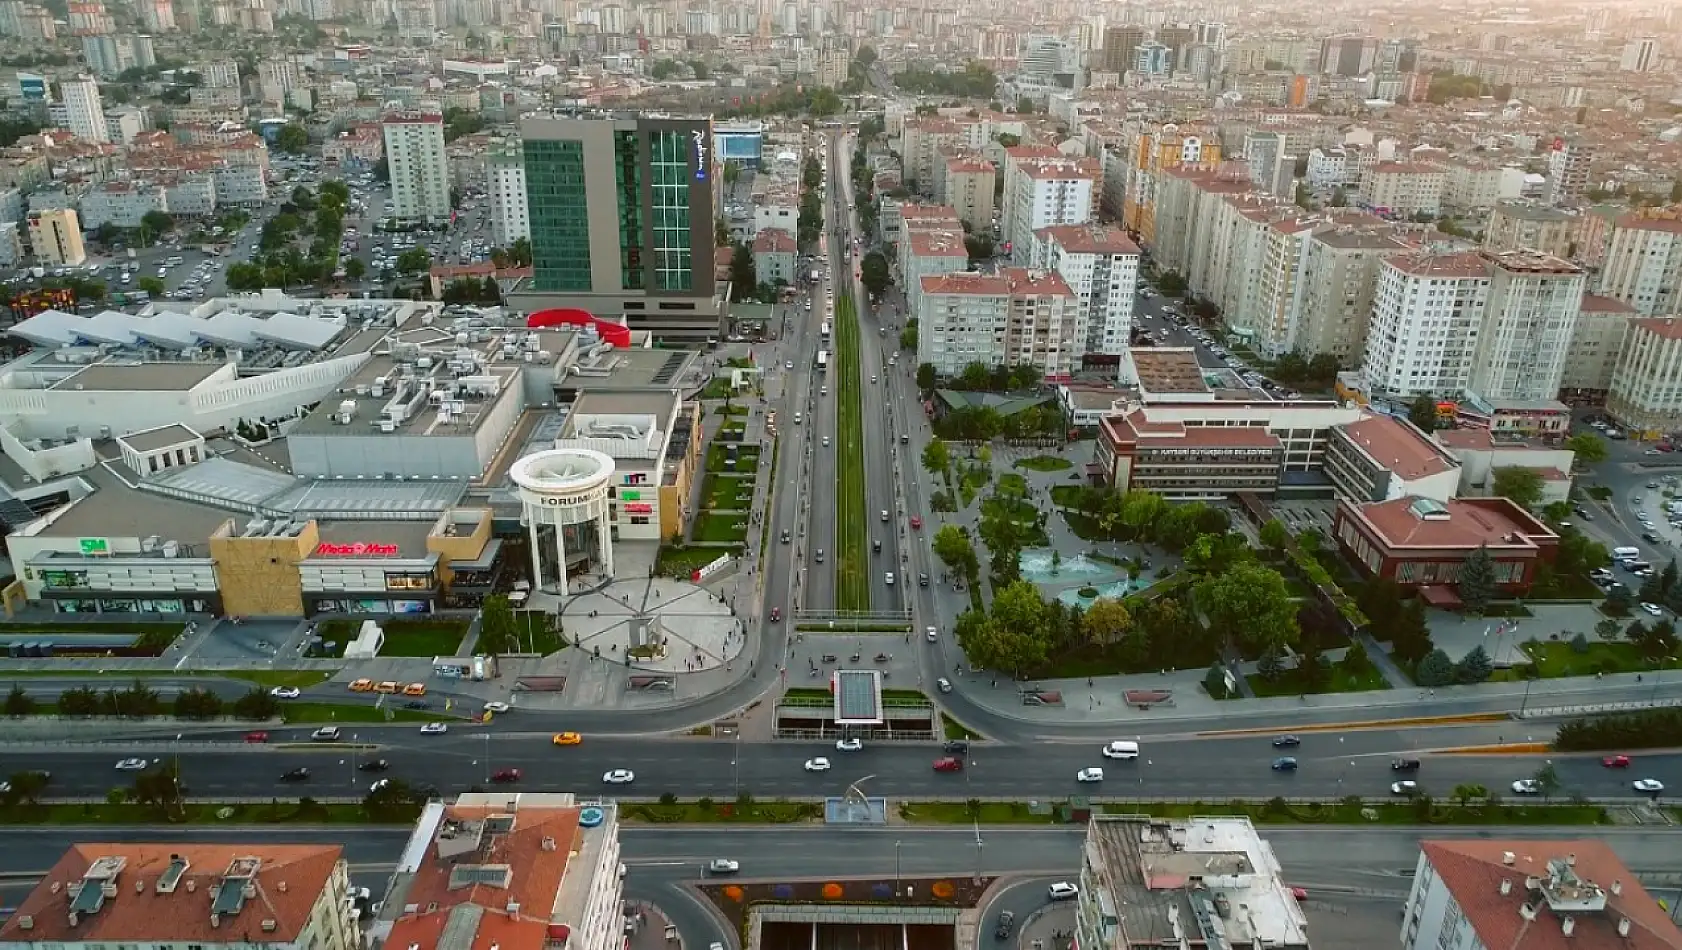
1379, 457
285, 897
1182, 461
774, 253
1531, 895
1422, 542
1014, 317
508, 870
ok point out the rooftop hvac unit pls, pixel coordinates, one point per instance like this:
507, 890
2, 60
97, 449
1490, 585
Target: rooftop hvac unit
388, 425
172, 549
347, 407
424, 362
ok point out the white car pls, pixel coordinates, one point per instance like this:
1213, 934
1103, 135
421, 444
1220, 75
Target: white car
723, 866
789, 364
1062, 891
888, 578
132, 765
619, 777
848, 745
932, 634
381, 783
1653, 609
819, 764
1404, 788
1121, 749
944, 684
1089, 775
286, 692
435, 729
1527, 786
1650, 785
497, 707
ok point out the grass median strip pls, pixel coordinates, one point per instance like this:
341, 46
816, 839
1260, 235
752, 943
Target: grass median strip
852, 581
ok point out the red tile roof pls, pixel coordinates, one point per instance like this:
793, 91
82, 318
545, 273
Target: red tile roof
775, 240
1461, 523
1668, 328
1089, 239
1473, 872
1595, 303
1399, 447
289, 880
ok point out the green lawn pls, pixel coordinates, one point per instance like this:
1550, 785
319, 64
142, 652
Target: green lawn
717, 388
300, 714
972, 478
953, 729
430, 637
731, 409
680, 561
1065, 496
712, 526
728, 492
1045, 463
852, 583
1555, 658
1013, 485
535, 633
298, 678
747, 458
1338, 680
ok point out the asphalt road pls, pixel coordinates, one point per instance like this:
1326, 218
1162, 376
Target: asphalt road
1209, 769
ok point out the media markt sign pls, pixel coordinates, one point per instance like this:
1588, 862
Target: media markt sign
94, 547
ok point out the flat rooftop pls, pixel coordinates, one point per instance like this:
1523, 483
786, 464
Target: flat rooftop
634, 368
138, 377
436, 404
162, 437
1168, 370
408, 536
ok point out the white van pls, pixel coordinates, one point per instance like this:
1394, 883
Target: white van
1121, 749
797, 418
1625, 553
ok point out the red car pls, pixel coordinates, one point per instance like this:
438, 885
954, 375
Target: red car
1616, 762
256, 737
916, 523
506, 775
776, 614
1299, 893
949, 764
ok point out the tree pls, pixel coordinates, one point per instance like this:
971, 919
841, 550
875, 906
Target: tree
1521, 486
1214, 682
1270, 666
1410, 638
159, 786
18, 702
79, 701
25, 786
1106, 622
744, 278
1617, 602
1476, 585
1275, 535
873, 273
292, 139
1422, 412
1590, 449
954, 548
497, 633
1435, 670
926, 376
1474, 667
152, 285
1607, 629
197, 704
355, 269
1251, 604
1465, 793
414, 260
1547, 780
1024, 105
936, 457
256, 704
157, 222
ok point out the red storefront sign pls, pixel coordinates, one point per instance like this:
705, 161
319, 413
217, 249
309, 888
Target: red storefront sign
358, 549
639, 508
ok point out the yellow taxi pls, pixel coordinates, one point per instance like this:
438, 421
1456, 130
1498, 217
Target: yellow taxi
386, 687
415, 689
568, 738
361, 686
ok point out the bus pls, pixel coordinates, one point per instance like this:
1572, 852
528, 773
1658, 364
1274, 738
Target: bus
823, 360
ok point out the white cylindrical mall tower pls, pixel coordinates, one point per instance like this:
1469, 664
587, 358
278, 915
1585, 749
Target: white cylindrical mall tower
563, 496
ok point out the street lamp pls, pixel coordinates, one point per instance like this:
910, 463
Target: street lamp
897, 867
1525, 703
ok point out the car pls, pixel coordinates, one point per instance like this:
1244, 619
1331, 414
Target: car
388, 686
286, 692
723, 866
1062, 891
786, 536
374, 765
948, 763
1527, 786
849, 744
1615, 762
504, 776
415, 689
888, 578
826, 441
495, 706
1286, 742
299, 774
776, 614
417, 704
1651, 786
922, 579
1404, 788
619, 777
931, 634
1404, 765
1007, 921
325, 734
916, 523
256, 737
379, 784
435, 729
132, 765
789, 364
884, 514
1284, 764
943, 684
567, 738
1089, 775
1299, 893
819, 764
955, 746
361, 685
1653, 609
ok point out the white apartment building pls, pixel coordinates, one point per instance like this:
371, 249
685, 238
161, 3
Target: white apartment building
1528, 323
85, 112
1426, 314
1101, 266
966, 183
1596, 344
1640, 55
191, 196
1275, 303
1013, 317
1339, 279
420, 170
1404, 189
1568, 172
1046, 192
1646, 391
1643, 262
1531, 225
1333, 167
925, 252
1506, 894
122, 203
510, 220
1479, 184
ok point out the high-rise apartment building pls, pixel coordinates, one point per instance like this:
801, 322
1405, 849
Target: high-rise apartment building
56, 237
1120, 43
1045, 192
84, 109
1101, 267
1347, 55
1568, 171
1014, 317
420, 171
1643, 262
1528, 322
621, 216
509, 219
1340, 269
1640, 55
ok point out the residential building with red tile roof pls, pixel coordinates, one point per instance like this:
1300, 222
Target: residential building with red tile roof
1423, 543
1536, 895
509, 870
179, 894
